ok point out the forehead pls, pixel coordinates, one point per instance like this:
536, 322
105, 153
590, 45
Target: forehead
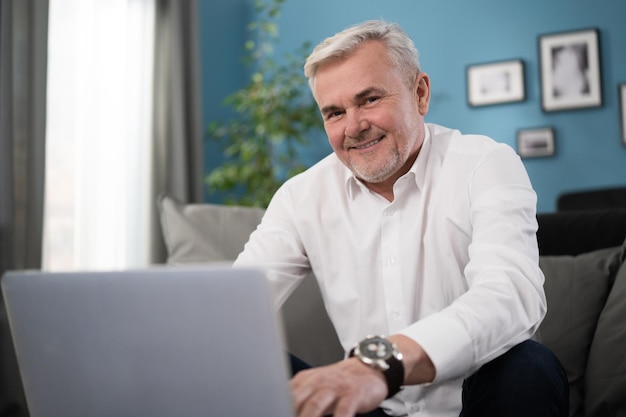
368, 66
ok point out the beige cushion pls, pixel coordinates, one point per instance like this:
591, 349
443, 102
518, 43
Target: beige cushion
205, 232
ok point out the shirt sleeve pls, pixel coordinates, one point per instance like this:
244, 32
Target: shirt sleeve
275, 247
505, 301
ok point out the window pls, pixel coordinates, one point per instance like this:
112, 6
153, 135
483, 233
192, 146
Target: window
98, 140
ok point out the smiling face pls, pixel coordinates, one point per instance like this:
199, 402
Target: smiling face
373, 118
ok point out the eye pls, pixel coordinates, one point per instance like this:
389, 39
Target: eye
372, 99
333, 114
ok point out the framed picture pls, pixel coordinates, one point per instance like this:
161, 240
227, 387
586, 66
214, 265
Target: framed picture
532, 143
622, 107
570, 70
495, 83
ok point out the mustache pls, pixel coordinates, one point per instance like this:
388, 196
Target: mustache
362, 138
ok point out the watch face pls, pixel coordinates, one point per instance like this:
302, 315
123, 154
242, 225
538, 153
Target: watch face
376, 348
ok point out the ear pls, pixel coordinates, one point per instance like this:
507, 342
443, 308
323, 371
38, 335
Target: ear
422, 92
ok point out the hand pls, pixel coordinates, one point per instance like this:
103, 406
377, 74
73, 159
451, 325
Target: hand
342, 389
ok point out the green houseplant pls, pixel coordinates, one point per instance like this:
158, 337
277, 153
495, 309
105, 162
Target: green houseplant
274, 114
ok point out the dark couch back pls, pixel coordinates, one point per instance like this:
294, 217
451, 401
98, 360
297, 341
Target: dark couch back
607, 198
576, 232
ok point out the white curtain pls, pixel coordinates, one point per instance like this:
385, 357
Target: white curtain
98, 197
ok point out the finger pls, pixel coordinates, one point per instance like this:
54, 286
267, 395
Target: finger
318, 404
302, 387
346, 407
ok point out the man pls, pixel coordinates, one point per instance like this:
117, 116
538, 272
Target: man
417, 232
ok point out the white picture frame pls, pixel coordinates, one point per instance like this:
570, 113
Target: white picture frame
495, 83
570, 70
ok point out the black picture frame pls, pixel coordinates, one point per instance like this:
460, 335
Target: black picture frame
571, 76
536, 142
495, 83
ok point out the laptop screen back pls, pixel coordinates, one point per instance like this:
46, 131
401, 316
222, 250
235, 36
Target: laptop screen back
158, 342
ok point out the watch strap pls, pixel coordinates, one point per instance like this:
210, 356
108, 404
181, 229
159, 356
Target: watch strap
394, 374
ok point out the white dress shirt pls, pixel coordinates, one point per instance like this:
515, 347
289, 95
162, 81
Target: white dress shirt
451, 262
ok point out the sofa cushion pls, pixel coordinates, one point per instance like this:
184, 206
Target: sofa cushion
576, 289
197, 233
605, 377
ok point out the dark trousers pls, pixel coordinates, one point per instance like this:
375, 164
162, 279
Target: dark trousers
528, 380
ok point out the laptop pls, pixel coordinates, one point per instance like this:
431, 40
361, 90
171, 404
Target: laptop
156, 342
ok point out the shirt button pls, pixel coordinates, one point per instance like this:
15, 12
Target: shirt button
415, 408
395, 313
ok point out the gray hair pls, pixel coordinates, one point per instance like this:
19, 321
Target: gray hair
401, 50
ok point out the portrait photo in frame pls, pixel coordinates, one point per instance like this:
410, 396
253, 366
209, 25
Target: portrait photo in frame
535, 142
570, 70
622, 110
495, 83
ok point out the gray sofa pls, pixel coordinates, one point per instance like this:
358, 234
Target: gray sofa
582, 256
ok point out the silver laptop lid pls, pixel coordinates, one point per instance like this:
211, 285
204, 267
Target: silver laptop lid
158, 342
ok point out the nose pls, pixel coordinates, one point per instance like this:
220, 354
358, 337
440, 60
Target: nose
355, 123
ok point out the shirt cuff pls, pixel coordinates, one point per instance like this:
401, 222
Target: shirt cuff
446, 342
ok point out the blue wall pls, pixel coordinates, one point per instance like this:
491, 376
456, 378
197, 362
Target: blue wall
450, 34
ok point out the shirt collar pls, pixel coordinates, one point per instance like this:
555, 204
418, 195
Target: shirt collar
419, 166
417, 170
351, 182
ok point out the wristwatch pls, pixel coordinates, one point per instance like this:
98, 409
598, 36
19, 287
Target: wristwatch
379, 353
